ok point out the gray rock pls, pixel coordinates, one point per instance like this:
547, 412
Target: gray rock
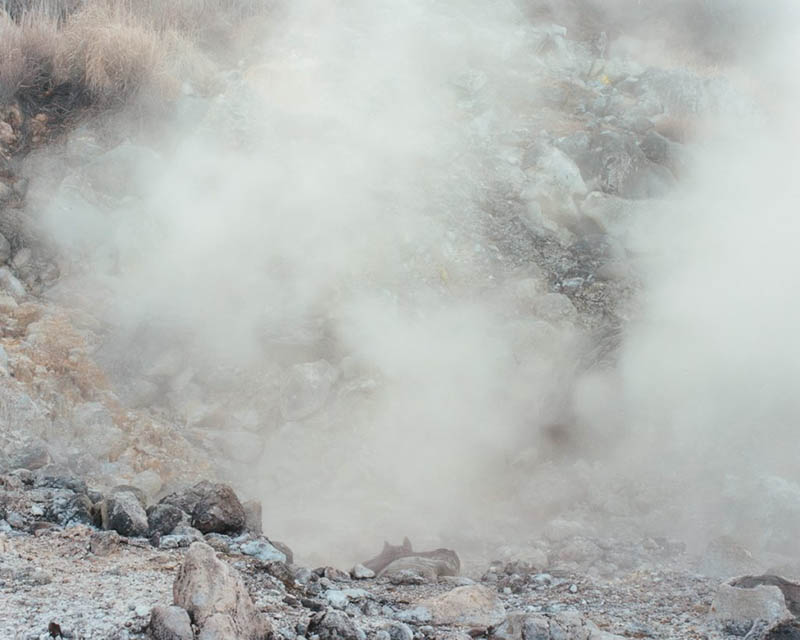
613, 162
49, 480
214, 595
333, 625
408, 576
76, 509
127, 488
340, 598
306, 388
262, 550
219, 542
738, 607
360, 572
415, 615
170, 623
399, 631
123, 513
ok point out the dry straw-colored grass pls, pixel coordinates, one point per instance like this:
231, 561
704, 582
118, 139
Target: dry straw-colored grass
117, 51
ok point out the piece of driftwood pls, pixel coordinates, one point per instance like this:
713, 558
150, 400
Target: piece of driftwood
431, 564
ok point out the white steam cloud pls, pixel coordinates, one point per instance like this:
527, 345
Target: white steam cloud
332, 206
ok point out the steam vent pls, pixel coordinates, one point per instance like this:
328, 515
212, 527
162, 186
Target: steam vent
418, 320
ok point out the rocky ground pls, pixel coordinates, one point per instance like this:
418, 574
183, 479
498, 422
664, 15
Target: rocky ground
107, 425
115, 567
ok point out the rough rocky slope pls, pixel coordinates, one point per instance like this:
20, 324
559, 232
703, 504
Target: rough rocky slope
107, 424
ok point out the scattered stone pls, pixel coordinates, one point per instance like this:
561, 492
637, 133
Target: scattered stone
360, 572
209, 588
170, 623
407, 576
339, 599
415, 615
333, 625
399, 631
262, 550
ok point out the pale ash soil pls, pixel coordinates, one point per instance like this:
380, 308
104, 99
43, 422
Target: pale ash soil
55, 577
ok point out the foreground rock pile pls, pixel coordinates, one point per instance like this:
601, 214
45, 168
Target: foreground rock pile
231, 583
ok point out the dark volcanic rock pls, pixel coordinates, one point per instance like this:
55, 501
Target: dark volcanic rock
163, 518
77, 510
219, 511
123, 513
214, 507
57, 481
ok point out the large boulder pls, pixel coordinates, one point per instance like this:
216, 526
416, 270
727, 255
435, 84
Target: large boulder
123, 513
213, 593
439, 562
738, 604
213, 507
163, 518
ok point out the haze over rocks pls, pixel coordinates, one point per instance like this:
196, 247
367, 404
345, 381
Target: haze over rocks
280, 281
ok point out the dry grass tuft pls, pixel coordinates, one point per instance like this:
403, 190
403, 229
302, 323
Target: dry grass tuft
114, 52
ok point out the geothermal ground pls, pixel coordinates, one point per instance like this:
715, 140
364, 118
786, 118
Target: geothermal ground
281, 281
